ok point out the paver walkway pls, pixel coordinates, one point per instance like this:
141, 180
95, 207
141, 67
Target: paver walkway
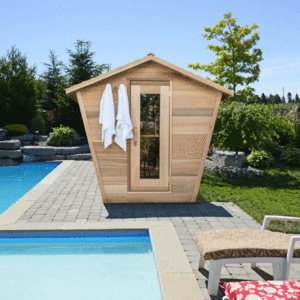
75, 197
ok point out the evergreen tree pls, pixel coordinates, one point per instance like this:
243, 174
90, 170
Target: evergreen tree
81, 68
283, 99
18, 89
277, 99
271, 99
41, 89
289, 96
264, 99
234, 56
52, 77
297, 99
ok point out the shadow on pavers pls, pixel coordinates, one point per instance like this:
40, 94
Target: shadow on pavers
169, 210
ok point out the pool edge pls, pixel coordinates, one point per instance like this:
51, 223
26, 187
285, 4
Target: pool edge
177, 280
14, 212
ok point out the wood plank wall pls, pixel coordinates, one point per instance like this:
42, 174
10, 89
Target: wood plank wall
193, 108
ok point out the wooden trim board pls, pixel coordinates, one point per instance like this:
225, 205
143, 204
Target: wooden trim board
202, 164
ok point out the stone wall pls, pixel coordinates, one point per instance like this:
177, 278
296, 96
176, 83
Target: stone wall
12, 153
36, 153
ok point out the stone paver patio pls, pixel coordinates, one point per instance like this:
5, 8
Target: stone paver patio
75, 197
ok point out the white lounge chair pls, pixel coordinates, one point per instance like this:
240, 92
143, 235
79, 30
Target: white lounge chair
230, 246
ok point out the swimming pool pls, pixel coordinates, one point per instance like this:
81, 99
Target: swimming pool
16, 181
78, 265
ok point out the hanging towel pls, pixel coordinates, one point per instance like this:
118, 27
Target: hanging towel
124, 126
107, 116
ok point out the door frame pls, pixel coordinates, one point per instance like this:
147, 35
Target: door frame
163, 184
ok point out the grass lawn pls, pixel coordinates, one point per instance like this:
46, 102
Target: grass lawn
276, 192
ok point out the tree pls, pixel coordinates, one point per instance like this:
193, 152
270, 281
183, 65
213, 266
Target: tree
234, 56
297, 99
18, 89
51, 77
41, 88
289, 96
271, 99
283, 99
277, 99
81, 68
259, 101
264, 99
246, 95
243, 125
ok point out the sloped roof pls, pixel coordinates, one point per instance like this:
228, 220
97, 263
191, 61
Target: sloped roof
71, 91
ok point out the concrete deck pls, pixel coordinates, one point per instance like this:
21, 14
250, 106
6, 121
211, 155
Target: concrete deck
72, 195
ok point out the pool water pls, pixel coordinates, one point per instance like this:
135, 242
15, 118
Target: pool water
16, 181
93, 265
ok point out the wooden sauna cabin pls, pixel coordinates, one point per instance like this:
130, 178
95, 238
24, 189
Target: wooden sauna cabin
173, 113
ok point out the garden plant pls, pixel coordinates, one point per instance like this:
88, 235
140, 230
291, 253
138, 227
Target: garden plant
63, 136
277, 190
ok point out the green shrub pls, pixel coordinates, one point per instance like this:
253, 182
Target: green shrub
260, 159
291, 157
15, 129
239, 126
271, 147
63, 136
286, 131
37, 124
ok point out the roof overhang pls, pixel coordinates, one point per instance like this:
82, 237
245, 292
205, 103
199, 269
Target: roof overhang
71, 91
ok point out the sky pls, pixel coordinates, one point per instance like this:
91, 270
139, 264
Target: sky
124, 31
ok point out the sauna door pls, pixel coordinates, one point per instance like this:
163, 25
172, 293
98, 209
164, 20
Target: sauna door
150, 147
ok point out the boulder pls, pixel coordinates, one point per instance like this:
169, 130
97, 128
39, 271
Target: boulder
8, 162
49, 150
227, 158
43, 138
26, 143
38, 150
10, 153
83, 156
49, 157
10, 145
72, 150
2, 134
28, 158
23, 138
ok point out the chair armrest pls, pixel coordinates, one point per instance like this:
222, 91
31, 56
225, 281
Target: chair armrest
290, 252
268, 218
289, 256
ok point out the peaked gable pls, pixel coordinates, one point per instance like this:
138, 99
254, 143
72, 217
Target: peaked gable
71, 91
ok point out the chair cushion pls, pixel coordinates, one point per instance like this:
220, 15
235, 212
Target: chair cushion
229, 243
260, 290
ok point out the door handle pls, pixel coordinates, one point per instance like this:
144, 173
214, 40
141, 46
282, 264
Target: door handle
135, 137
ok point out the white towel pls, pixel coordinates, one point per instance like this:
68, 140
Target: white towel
124, 126
107, 116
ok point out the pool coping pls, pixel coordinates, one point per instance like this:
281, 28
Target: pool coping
14, 212
177, 279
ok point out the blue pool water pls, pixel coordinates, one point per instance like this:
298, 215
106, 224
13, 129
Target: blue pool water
82, 265
16, 181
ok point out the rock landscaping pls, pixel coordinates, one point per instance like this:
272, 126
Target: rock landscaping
37, 153
12, 152
224, 162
